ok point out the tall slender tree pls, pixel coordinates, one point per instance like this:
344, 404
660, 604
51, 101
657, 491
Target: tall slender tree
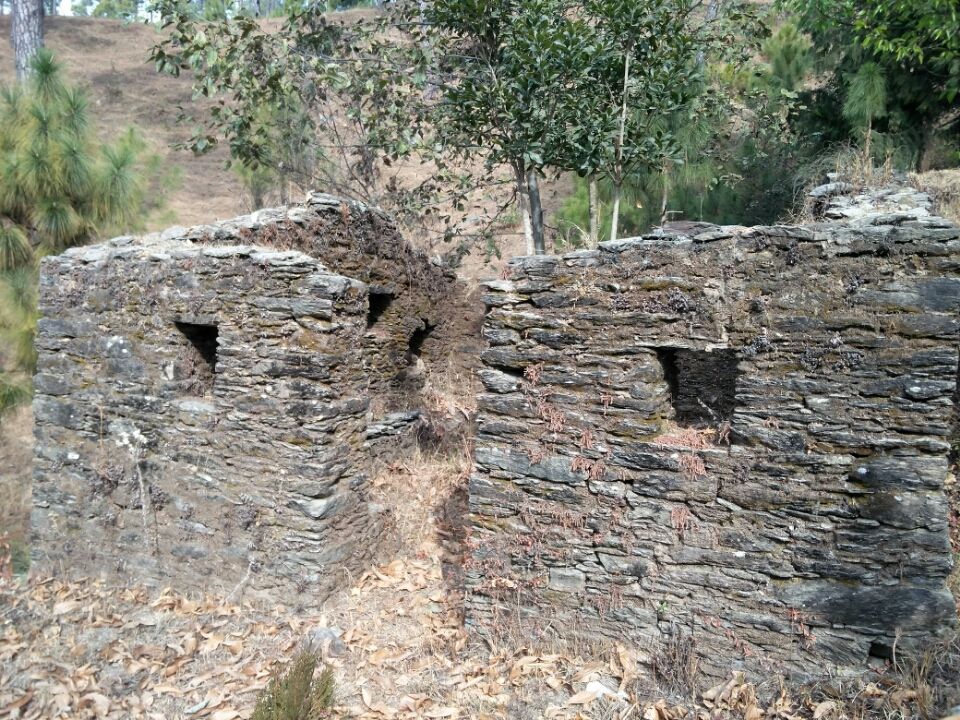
866, 101
26, 33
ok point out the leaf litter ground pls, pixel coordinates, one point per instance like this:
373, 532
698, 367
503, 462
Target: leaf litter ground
85, 649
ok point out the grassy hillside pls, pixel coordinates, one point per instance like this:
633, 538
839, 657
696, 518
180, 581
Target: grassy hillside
108, 58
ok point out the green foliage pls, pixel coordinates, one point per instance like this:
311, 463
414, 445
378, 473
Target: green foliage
14, 553
119, 9
59, 187
736, 159
57, 191
290, 156
258, 182
113, 9
297, 694
18, 320
914, 47
520, 68
789, 58
591, 87
216, 10
15, 390
916, 35
15, 249
866, 95
327, 104
748, 179
534, 85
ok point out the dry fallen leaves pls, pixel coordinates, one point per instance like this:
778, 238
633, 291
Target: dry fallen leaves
84, 650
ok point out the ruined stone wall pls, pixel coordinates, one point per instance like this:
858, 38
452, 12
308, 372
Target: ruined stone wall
205, 402
416, 305
734, 443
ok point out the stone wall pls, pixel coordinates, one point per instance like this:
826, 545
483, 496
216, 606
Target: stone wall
417, 307
732, 442
208, 401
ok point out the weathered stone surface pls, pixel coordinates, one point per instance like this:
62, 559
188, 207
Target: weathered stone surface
742, 438
210, 401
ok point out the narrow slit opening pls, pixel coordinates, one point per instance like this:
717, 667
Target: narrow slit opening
378, 303
197, 364
511, 371
417, 338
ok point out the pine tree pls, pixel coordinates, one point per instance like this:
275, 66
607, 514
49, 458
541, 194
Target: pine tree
788, 55
58, 188
866, 101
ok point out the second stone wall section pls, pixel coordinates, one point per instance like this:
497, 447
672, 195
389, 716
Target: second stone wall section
734, 444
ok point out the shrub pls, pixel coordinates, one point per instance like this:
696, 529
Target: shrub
297, 694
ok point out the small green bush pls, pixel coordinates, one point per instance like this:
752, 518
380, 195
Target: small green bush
297, 694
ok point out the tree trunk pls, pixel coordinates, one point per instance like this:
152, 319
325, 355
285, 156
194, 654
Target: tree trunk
536, 213
665, 195
615, 214
922, 151
713, 12
621, 136
867, 151
524, 209
527, 225
26, 34
594, 194
432, 87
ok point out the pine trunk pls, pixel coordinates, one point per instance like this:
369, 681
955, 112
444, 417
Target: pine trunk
868, 151
26, 33
665, 194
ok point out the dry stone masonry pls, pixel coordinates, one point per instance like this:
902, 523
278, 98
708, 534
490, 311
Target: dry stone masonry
720, 443
209, 402
725, 442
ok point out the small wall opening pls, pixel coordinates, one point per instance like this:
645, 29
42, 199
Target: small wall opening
880, 650
703, 384
197, 364
379, 302
415, 343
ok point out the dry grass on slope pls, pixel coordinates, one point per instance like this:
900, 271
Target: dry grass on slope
16, 449
108, 59
944, 187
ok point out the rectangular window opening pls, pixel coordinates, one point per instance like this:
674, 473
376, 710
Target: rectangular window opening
379, 302
703, 384
197, 363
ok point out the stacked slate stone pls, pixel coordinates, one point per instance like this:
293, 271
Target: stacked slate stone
730, 446
416, 302
204, 400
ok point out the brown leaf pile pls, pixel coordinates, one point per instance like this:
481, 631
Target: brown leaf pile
87, 650
84, 650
